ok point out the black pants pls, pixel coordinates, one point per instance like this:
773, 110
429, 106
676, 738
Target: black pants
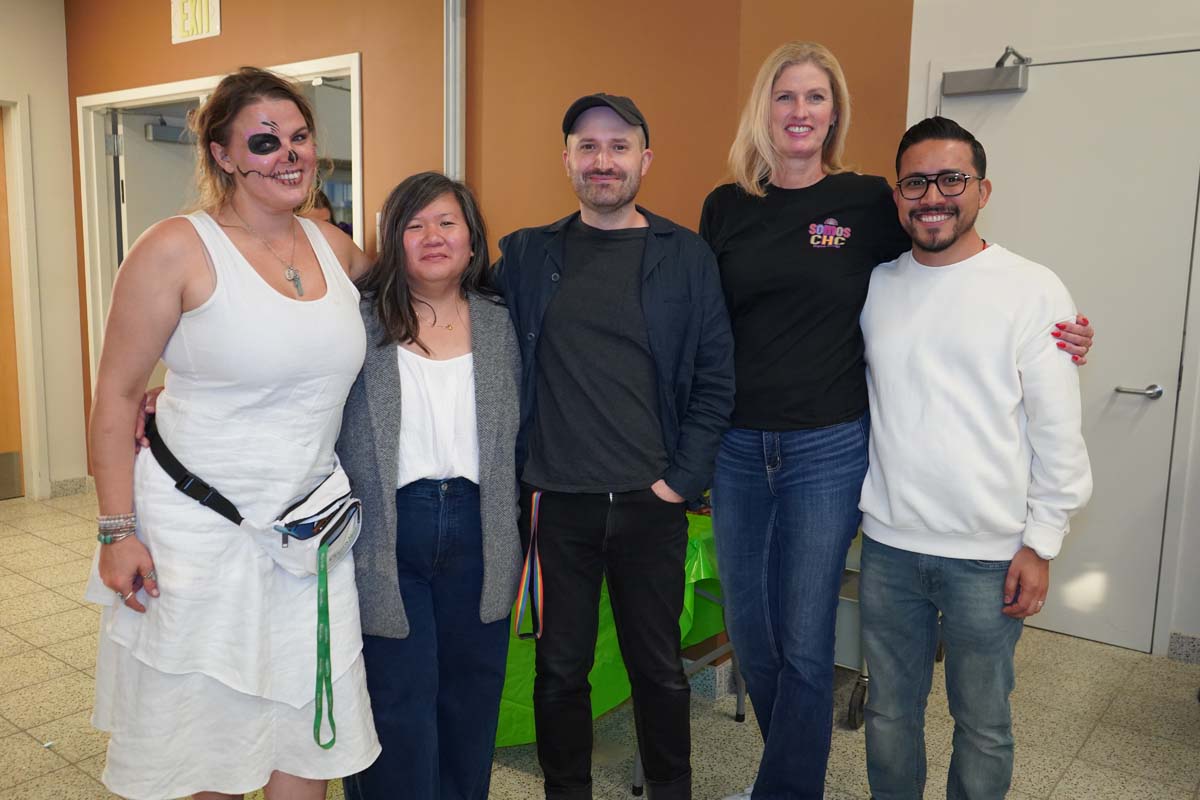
638, 542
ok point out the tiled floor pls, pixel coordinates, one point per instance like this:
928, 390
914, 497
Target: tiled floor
1092, 722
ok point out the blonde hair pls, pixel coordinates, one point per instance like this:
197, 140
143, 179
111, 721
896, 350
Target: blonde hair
753, 157
213, 120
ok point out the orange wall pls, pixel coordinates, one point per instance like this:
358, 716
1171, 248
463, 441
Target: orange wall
871, 39
687, 63
121, 44
527, 60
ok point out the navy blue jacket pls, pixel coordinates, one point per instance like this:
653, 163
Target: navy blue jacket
686, 322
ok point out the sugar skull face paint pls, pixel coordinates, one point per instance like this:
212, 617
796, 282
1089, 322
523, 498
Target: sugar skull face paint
271, 148
262, 144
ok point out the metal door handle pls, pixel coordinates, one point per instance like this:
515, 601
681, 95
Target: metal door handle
1153, 391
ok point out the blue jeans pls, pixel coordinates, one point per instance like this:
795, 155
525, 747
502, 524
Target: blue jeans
902, 594
435, 695
785, 509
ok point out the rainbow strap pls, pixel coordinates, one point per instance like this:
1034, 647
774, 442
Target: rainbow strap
529, 593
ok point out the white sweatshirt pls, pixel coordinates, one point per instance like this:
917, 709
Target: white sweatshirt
976, 445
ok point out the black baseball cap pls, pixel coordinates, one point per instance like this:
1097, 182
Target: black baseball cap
624, 107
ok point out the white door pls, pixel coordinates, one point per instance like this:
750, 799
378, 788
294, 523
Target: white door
1095, 172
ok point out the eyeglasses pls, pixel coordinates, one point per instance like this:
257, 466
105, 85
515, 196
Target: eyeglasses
950, 184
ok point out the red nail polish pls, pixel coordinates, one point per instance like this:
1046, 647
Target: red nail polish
1055, 334
1062, 326
1085, 321
1062, 345
1074, 358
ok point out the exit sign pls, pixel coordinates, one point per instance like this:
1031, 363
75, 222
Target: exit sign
194, 19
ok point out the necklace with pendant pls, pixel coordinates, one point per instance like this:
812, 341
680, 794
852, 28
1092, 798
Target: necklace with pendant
449, 325
289, 270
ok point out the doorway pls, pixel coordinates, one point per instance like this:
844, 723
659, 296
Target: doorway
11, 468
1123, 241
131, 139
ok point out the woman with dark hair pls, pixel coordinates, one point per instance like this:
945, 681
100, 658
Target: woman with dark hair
207, 652
428, 439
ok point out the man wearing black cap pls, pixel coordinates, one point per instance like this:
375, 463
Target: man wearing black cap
627, 387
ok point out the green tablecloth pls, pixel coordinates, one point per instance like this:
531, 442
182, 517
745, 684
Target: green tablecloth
610, 685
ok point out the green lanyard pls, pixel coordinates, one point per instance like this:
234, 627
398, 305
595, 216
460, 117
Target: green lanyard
324, 667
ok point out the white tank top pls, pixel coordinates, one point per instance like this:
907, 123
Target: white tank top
253, 405
438, 436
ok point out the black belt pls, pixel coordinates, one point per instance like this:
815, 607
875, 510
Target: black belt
185, 481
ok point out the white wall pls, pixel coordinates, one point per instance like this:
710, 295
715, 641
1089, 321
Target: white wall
332, 108
973, 33
158, 175
957, 34
33, 69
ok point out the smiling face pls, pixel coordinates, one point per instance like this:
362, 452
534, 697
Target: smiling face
605, 160
802, 111
271, 153
942, 228
437, 243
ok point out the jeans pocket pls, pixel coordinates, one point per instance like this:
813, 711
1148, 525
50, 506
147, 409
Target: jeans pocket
989, 564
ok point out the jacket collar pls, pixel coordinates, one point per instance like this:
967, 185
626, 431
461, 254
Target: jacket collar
659, 227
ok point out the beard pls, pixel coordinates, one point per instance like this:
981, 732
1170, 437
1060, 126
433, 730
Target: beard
935, 241
605, 198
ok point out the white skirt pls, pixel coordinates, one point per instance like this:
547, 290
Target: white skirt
175, 735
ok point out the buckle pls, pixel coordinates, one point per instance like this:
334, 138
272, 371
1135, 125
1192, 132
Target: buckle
195, 488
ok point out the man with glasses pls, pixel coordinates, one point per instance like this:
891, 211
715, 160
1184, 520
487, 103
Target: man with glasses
977, 463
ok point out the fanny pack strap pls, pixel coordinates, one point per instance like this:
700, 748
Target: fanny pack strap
209, 497
529, 592
324, 690
185, 481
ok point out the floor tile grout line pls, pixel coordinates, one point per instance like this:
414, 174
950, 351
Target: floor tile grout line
68, 765
43, 683
1095, 723
51, 772
41, 648
1120, 771
1150, 735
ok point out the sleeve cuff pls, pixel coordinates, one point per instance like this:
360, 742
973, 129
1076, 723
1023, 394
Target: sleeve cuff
683, 484
1045, 540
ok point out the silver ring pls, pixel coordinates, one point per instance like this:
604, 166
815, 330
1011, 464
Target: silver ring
125, 597
152, 575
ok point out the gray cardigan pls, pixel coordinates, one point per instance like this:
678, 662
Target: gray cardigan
368, 447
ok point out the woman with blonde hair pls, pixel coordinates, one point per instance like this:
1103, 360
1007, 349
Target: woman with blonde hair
208, 648
796, 235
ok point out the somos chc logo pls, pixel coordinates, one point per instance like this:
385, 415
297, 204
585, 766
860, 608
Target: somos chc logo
828, 234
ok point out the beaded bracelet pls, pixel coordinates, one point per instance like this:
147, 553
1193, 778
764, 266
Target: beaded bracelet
111, 538
109, 522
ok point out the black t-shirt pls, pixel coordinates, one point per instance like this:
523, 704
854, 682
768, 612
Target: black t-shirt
595, 420
795, 268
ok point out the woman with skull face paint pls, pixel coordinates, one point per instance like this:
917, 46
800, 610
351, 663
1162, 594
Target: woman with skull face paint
205, 668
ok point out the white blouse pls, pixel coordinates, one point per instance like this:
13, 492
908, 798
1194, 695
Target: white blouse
438, 437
